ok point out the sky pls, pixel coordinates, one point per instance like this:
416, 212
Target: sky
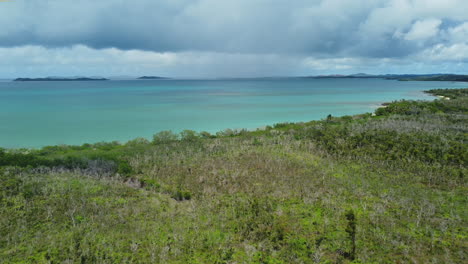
236, 38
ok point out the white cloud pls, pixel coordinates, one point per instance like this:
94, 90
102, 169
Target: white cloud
441, 52
424, 29
457, 34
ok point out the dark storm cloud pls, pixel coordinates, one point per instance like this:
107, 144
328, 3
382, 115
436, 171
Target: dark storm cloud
364, 28
241, 37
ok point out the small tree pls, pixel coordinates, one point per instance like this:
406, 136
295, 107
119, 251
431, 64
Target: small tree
164, 137
226, 133
351, 230
189, 135
205, 134
137, 142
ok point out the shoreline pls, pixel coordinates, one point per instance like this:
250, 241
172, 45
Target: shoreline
226, 130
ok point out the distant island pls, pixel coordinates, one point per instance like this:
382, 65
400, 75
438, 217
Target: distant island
401, 77
54, 79
152, 78
441, 78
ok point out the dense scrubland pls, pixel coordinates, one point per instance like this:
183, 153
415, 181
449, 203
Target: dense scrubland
388, 187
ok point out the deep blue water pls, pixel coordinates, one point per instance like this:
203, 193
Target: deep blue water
35, 114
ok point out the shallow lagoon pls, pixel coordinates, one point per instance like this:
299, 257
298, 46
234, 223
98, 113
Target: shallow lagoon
35, 114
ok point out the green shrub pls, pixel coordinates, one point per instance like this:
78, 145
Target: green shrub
9, 185
137, 142
205, 134
351, 230
124, 168
180, 194
256, 142
150, 184
226, 133
29, 190
281, 125
164, 137
189, 136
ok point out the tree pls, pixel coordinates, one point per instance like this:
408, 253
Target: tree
164, 137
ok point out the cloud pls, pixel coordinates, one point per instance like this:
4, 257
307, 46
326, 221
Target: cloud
80, 60
454, 52
457, 34
250, 26
424, 29
168, 35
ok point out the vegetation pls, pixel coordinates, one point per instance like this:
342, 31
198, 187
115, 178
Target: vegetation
436, 77
402, 77
383, 188
450, 93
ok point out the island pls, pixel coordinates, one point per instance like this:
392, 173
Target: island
435, 78
400, 77
54, 79
152, 78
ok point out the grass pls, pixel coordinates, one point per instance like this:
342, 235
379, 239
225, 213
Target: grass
389, 188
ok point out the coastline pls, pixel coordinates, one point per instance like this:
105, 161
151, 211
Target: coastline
227, 131
139, 109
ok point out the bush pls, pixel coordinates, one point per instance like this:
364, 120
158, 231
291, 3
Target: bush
164, 137
189, 136
227, 133
281, 125
150, 184
124, 168
137, 142
9, 185
180, 194
205, 134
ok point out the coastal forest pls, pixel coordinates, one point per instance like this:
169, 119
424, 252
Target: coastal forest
382, 187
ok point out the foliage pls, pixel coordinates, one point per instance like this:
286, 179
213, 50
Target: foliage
450, 93
437, 77
189, 136
164, 137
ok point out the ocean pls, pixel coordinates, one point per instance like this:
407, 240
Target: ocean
36, 114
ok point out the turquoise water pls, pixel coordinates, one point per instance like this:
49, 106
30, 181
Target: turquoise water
35, 114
